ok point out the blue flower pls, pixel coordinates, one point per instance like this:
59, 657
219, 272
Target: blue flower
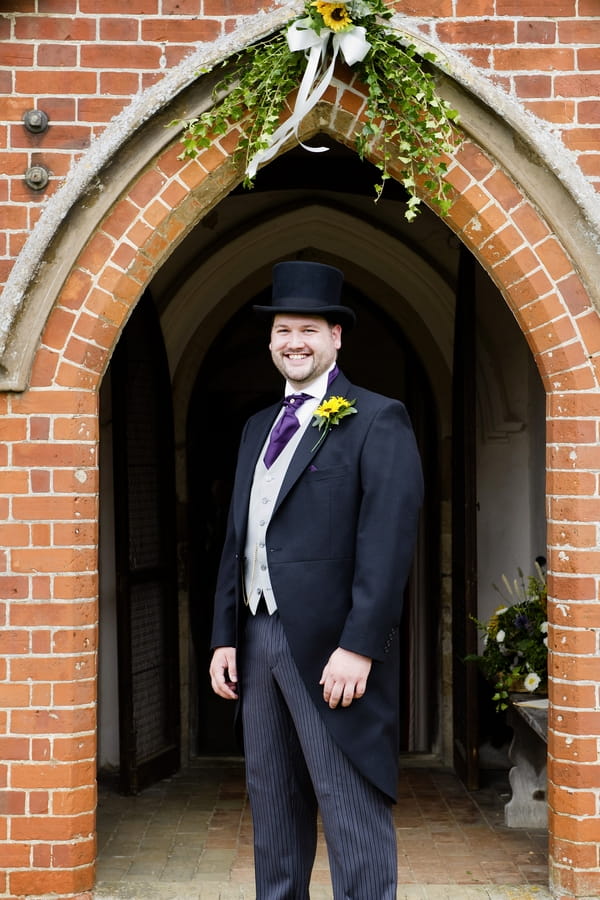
522, 622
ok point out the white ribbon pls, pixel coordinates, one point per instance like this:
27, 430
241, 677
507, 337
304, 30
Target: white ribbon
353, 46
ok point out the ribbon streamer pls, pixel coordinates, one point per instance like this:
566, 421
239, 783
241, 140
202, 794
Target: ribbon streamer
353, 46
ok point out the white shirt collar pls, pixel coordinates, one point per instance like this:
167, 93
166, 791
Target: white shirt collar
316, 388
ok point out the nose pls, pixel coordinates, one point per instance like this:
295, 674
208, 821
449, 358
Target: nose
296, 340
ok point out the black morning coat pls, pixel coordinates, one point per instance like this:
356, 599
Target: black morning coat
340, 545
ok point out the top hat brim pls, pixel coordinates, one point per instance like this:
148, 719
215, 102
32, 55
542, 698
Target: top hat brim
341, 315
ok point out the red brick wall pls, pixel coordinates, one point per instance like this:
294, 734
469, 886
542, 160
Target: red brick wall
81, 61
73, 68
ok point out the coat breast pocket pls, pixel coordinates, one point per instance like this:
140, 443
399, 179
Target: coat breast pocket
329, 498
316, 474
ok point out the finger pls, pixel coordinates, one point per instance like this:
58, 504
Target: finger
336, 694
326, 681
219, 682
328, 684
361, 687
228, 685
224, 690
216, 682
324, 674
348, 694
232, 670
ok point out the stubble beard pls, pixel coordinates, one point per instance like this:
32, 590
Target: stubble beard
294, 377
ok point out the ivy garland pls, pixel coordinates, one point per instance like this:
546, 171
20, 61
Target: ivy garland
406, 122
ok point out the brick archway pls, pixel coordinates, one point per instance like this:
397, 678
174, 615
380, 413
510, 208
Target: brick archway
51, 482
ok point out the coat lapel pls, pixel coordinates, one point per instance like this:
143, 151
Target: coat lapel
305, 451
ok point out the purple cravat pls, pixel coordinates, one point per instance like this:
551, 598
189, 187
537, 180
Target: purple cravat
287, 425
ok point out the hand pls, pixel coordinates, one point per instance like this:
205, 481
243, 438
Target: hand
223, 673
345, 677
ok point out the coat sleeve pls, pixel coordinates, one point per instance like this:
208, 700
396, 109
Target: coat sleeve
224, 620
391, 497
224, 630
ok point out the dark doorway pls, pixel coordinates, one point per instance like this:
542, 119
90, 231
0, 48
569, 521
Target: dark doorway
236, 379
144, 505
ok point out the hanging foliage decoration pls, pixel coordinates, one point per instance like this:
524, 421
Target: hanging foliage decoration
405, 121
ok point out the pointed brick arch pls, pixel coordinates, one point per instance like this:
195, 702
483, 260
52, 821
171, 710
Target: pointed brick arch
51, 477
490, 214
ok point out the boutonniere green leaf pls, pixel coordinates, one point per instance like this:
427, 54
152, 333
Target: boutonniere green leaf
330, 413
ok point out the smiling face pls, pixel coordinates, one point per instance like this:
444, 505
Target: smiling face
303, 347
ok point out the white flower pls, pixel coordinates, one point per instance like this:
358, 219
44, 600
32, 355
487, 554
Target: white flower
545, 642
500, 610
359, 8
544, 628
500, 636
532, 681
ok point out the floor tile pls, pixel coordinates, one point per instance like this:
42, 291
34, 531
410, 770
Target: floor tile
190, 838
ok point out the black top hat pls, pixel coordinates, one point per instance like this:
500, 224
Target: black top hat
309, 289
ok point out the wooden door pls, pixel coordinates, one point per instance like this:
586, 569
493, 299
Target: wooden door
145, 554
464, 528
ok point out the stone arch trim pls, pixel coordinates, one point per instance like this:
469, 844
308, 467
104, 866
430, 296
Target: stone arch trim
513, 242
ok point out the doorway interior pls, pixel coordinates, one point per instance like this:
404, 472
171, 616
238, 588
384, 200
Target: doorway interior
402, 280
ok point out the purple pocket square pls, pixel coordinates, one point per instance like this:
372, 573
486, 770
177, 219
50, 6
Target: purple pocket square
312, 468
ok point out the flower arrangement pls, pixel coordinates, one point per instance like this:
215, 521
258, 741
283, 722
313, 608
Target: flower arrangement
404, 117
329, 413
515, 654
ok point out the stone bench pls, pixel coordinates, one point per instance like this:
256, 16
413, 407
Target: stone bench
527, 807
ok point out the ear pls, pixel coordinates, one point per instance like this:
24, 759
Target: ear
336, 334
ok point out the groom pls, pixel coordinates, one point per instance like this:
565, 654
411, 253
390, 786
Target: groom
318, 549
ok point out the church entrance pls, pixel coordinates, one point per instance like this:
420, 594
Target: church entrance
204, 248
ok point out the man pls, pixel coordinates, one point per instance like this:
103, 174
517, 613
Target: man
318, 549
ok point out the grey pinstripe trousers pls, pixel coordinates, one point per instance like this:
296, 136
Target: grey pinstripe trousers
294, 767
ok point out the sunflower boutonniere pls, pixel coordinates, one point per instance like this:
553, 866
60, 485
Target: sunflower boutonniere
329, 413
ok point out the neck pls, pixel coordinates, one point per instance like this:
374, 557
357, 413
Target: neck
296, 386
